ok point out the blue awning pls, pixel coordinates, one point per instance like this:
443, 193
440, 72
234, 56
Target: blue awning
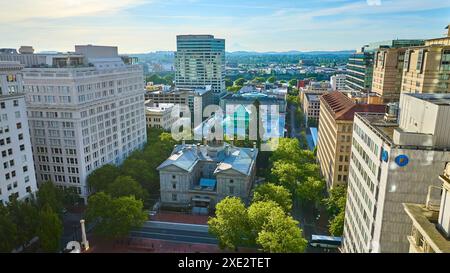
205, 182
314, 135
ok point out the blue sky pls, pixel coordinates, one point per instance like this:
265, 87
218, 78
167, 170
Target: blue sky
138, 26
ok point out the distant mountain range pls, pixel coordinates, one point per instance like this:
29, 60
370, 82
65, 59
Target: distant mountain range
292, 52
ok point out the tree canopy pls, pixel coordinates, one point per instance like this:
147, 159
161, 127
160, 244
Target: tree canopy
230, 225
99, 179
263, 223
272, 79
296, 170
115, 217
8, 231
239, 82
276, 193
335, 204
49, 194
49, 230
126, 186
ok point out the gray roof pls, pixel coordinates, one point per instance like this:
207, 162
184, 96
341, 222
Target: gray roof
187, 156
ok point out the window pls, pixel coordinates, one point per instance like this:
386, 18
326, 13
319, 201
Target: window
231, 180
231, 190
174, 186
173, 176
174, 197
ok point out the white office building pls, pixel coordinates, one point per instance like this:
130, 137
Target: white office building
85, 110
17, 178
200, 61
160, 115
393, 163
338, 82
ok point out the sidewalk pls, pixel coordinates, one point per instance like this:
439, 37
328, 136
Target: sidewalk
180, 218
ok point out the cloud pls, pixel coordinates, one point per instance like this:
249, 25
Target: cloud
374, 2
35, 9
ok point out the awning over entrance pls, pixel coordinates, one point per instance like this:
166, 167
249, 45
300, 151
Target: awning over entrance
206, 182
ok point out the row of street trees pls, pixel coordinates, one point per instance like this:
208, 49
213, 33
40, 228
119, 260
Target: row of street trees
239, 83
266, 223
41, 217
296, 170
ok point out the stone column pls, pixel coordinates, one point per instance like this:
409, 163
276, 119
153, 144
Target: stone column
84, 241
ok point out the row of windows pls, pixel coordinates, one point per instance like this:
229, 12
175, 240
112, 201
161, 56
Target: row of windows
15, 103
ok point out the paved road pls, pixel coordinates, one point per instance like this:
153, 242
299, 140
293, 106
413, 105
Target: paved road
177, 232
295, 131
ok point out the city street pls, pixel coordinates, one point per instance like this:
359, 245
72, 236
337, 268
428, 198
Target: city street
176, 232
312, 221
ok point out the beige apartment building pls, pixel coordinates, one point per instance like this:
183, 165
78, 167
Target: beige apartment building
388, 68
431, 221
335, 135
426, 69
311, 109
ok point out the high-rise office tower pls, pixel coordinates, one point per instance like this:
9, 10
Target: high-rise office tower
200, 61
394, 161
17, 178
359, 70
85, 109
337, 111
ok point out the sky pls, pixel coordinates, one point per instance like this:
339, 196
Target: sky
140, 26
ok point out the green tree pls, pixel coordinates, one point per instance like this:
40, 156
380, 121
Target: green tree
286, 174
8, 231
281, 234
126, 186
234, 89
168, 79
50, 229
49, 194
276, 193
259, 214
115, 217
230, 225
141, 171
239, 82
259, 80
336, 227
335, 204
26, 217
272, 79
70, 197
311, 189
99, 179
293, 82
